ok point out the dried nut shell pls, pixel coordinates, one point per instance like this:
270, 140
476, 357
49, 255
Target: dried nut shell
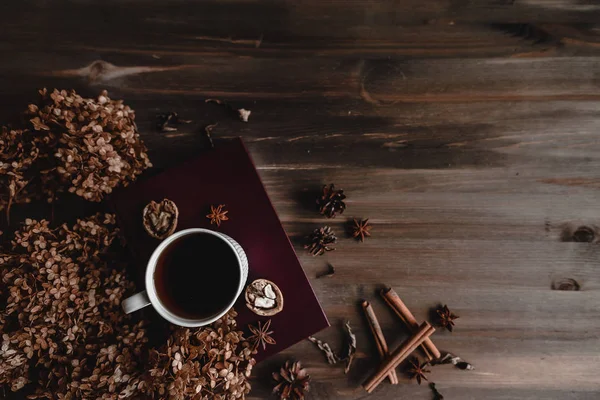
160, 219
264, 298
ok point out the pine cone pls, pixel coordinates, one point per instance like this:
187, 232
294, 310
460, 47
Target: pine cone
292, 381
320, 241
331, 201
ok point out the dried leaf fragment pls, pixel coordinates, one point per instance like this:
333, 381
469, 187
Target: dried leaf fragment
160, 219
450, 358
332, 358
244, 114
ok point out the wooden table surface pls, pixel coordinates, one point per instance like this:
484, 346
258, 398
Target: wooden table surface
467, 131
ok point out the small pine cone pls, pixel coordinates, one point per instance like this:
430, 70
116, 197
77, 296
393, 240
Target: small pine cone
293, 382
331, 201
320, 241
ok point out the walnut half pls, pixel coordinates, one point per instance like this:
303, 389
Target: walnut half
160, 219
264, 298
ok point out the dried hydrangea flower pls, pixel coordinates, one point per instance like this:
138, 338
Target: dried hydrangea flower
61, 291
70, 143
212, 362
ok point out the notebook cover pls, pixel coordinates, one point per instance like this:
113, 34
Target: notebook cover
226, 175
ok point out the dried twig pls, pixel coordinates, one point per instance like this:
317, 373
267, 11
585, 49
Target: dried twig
207, 130
333, 358
351, 347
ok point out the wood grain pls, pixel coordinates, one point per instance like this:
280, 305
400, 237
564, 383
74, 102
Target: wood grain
465, 131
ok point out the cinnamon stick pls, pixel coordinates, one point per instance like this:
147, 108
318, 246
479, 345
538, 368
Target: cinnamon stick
382, 346
393, 300
399, 355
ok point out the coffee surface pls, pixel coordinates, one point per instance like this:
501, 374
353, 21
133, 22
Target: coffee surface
197, 276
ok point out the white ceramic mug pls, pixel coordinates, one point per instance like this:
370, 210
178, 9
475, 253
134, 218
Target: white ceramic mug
149, 296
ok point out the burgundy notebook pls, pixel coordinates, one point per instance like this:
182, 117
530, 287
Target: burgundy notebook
226, 175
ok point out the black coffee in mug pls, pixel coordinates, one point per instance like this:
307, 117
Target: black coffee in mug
197, 276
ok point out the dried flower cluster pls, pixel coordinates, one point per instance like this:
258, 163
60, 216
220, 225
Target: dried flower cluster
64, 335
211, 363
67, 142
61, 314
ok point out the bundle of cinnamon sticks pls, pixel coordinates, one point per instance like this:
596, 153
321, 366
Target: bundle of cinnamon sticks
419, 338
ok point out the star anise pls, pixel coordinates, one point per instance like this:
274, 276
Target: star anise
320, 241
261, 336
292, 381
217, 215
331, 201
446, 318
417, 371
361, 229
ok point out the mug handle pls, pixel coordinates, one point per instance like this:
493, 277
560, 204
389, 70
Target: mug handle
135, 302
